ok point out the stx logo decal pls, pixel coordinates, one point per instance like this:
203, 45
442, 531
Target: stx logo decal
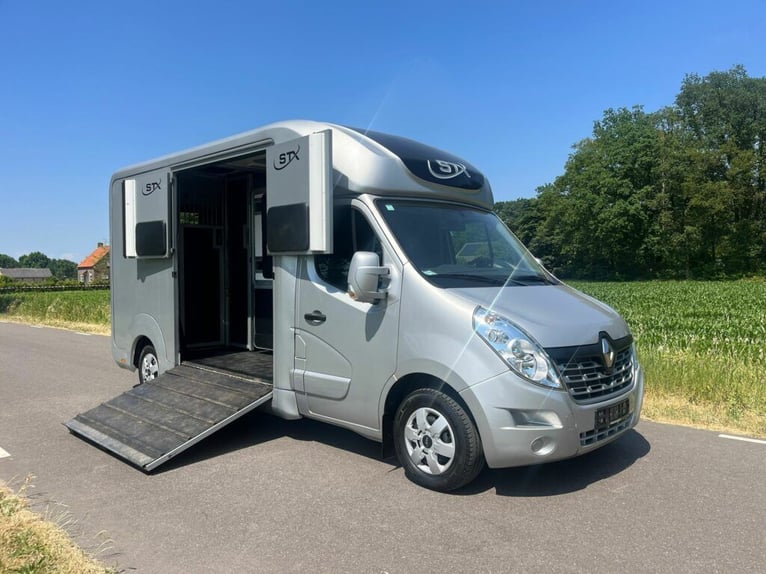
286, 158
151, 187
441, 169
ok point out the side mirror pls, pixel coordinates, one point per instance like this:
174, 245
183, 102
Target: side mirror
363, 275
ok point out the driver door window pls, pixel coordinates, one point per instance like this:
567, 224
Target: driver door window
352, 233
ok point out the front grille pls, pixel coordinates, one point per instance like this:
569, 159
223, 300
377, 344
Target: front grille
596, 435
587, 379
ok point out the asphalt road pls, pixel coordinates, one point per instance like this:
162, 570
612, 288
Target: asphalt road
267, 495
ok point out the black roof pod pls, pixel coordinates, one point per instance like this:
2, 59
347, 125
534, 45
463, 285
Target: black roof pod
428, 163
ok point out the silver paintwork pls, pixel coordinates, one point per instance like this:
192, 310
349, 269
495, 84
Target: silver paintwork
555, 315
511, 414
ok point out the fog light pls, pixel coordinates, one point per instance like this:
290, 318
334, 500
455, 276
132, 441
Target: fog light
542, 445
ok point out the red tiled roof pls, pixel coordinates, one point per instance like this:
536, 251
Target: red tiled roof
95, 257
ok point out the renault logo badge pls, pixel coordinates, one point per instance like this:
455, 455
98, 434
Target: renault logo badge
608, 353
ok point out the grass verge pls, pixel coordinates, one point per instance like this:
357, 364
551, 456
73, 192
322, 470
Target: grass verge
734, 403
86, 311
702, 345
30, 544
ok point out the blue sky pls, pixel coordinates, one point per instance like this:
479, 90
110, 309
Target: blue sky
89, 86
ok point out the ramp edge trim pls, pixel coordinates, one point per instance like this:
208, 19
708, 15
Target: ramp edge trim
105, 441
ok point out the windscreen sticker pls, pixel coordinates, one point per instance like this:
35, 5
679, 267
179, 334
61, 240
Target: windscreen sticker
389, 207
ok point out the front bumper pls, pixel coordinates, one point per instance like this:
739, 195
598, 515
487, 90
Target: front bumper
521, 424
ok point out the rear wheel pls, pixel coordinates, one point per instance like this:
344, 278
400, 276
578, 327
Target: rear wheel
148, 365
436, 441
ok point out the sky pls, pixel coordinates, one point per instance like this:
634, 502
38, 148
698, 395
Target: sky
90, 86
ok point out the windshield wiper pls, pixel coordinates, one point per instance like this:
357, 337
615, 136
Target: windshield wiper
470, 277
530, 278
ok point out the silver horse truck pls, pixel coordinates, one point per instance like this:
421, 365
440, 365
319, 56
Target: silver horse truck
356, 278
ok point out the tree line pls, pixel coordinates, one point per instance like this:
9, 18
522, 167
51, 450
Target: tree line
676, 193
60, 268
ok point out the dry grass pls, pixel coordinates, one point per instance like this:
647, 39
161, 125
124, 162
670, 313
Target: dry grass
665, 408
706, 391
30, 544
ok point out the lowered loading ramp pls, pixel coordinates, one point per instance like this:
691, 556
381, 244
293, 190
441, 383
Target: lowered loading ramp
153, 422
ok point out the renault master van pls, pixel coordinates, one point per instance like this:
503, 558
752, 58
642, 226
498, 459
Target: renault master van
356, 278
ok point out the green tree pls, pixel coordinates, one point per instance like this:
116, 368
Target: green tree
63, 269
521, 217
680, 192
725, 112
599, 201
7, 262
34, 260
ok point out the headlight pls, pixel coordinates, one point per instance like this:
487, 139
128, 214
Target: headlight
522, 353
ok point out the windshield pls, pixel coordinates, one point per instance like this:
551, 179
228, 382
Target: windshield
459, 246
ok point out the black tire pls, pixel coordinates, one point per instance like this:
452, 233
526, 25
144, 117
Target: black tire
446, 452
148, 365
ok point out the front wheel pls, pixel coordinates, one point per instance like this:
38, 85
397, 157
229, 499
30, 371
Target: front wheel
148, 365
436, 441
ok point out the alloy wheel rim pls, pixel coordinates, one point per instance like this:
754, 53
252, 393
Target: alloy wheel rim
429, 440
149, 368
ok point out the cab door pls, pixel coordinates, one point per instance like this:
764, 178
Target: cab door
345, 350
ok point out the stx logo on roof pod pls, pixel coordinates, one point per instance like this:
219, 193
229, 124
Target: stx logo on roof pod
286, 158
446, 169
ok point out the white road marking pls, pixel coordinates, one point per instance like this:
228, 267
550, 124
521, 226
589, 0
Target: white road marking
4, 453
742, 438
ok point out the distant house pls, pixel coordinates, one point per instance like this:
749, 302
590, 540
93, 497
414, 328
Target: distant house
26, 274
95, 267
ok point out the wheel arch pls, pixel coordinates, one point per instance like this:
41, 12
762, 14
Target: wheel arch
403, 387
144, 330
138, 346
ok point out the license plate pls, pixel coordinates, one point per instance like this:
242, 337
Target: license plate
610, 414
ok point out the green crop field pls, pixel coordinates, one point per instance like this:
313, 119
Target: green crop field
87, 310
703, 346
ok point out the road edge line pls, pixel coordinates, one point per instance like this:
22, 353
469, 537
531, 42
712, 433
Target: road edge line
742, 438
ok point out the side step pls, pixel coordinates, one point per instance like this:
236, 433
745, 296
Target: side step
151, 423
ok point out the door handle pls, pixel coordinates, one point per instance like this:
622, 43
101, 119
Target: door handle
315, 317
